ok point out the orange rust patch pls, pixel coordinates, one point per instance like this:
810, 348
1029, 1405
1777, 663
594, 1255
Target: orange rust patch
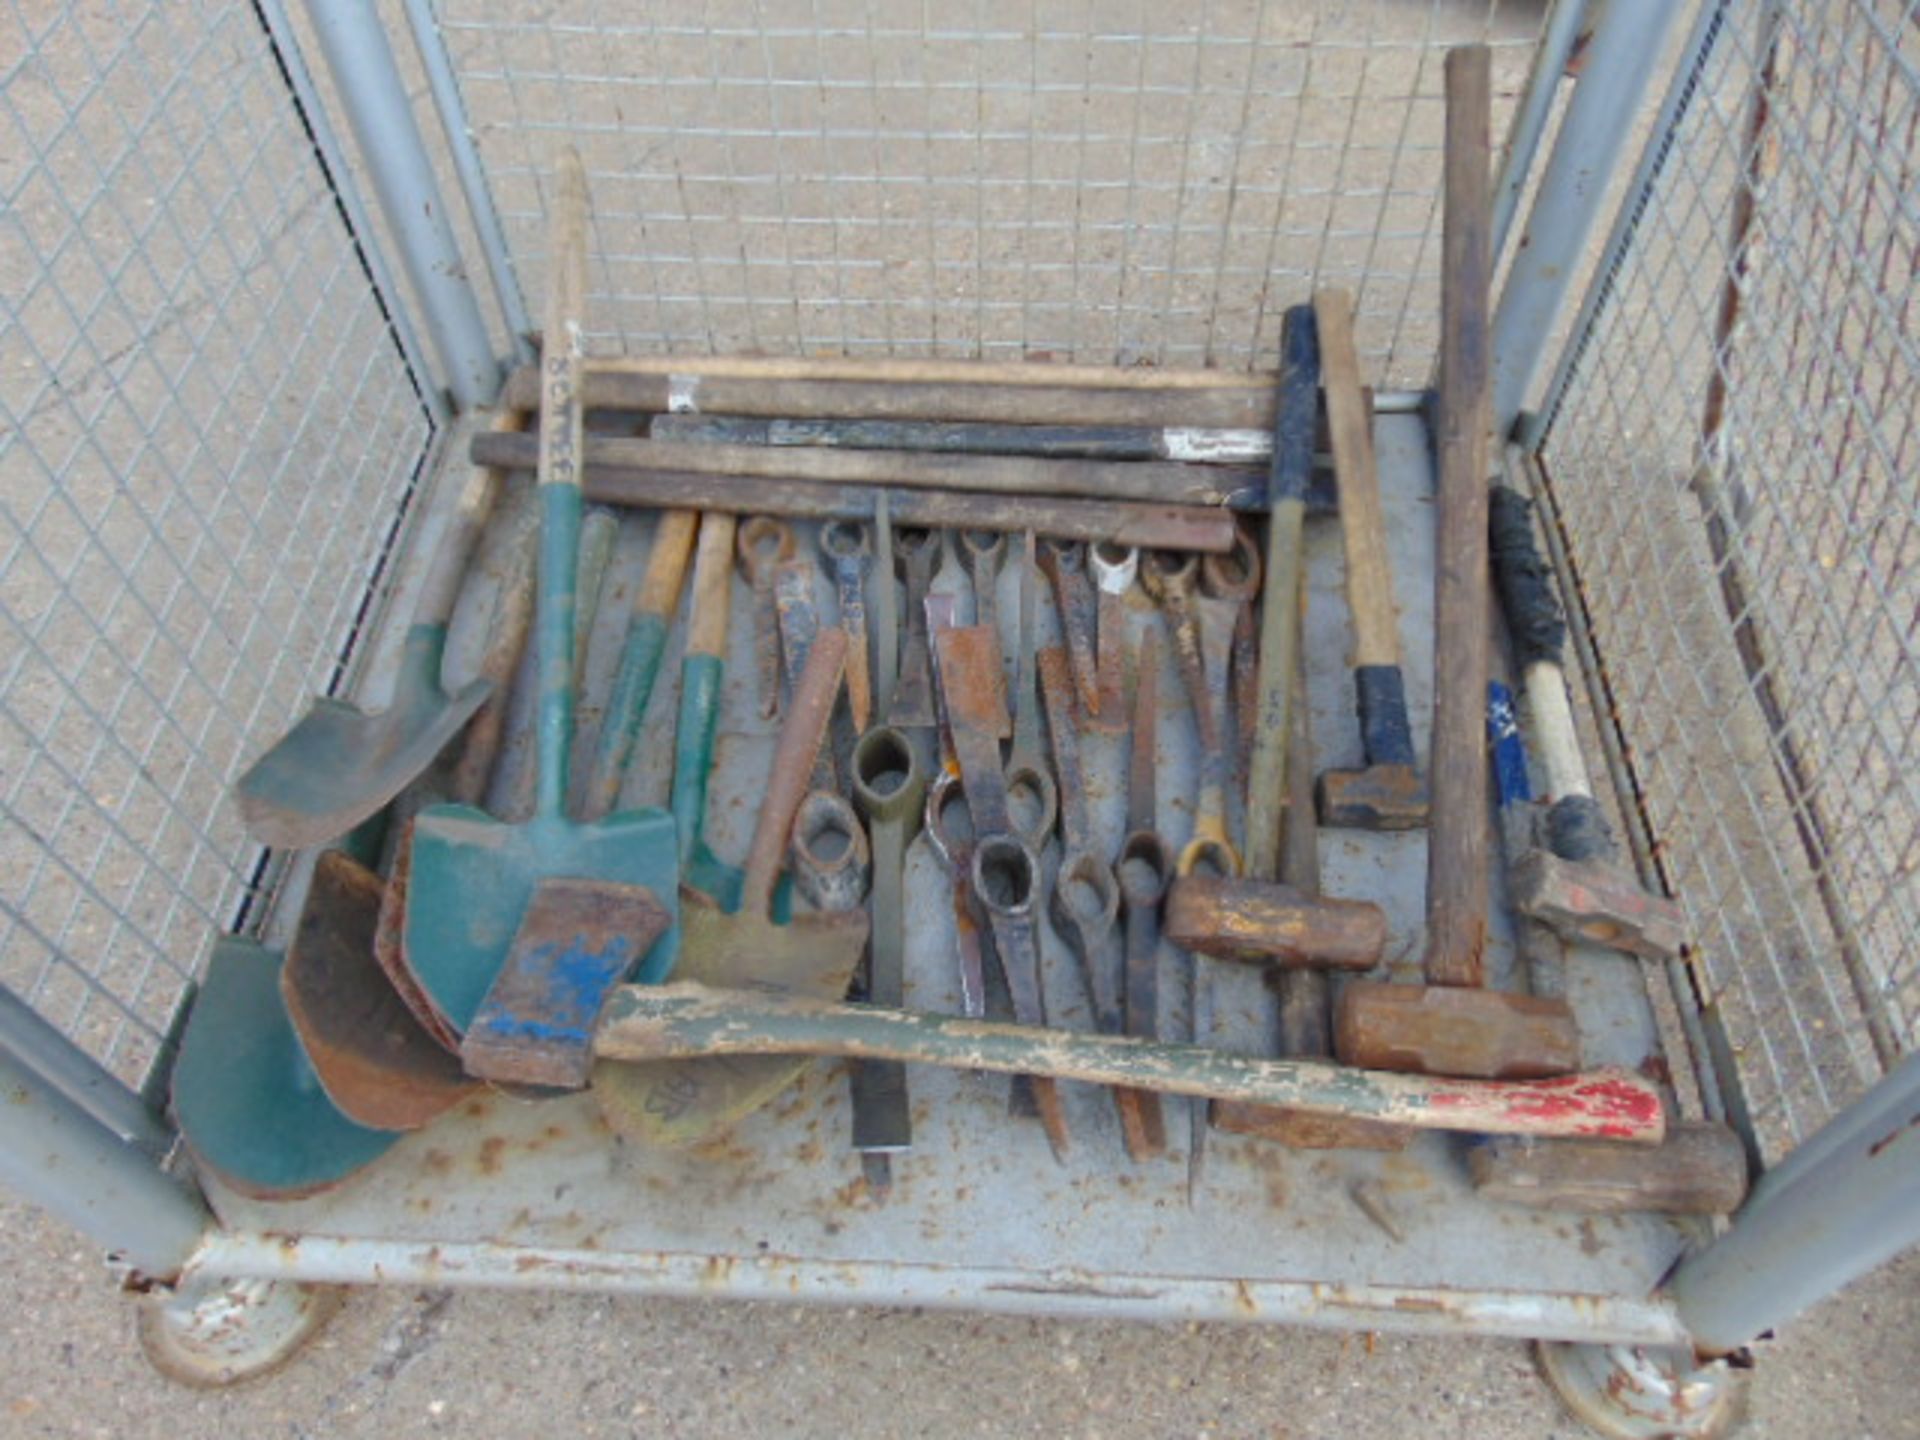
437, 1162
491, 1150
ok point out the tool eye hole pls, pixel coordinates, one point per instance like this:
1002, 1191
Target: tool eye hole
827, 840
885, 763
1085, 891
953, 816
1003, 871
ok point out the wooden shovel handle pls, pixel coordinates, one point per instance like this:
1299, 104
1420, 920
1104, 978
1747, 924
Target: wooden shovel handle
712, 585
800, 738
667, 563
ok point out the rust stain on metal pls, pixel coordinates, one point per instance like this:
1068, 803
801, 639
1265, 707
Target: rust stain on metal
491, 1151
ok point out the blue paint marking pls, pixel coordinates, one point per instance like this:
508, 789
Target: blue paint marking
576, 976
1510, 782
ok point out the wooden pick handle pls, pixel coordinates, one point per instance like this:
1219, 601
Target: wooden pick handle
792, 774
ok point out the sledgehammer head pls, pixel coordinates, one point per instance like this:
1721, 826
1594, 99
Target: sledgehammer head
1450, 1030
1594, 901
1375, 797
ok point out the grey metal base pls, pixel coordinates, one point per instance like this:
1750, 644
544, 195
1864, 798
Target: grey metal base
1631, 1392
209, 1332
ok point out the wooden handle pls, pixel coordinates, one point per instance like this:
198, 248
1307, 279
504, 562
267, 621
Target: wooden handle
1457, 824
685, 1020
1376, 634
563, 365
937, 372
712, 585
800, 738
667, 563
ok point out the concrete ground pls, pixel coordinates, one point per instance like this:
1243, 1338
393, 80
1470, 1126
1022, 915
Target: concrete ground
422, 1363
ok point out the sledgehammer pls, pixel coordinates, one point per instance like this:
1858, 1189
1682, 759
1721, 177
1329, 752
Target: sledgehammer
1451, 1025
1563, 872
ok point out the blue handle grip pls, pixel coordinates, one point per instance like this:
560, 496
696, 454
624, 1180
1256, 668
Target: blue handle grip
1510, 782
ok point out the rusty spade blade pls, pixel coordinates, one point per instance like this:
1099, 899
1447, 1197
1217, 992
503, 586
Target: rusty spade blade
684, 1102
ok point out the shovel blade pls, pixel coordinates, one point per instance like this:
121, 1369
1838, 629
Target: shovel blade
339, 764
473, 878
376, 1062
249, 1105
681, 1103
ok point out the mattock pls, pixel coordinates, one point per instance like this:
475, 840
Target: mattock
848, 546
984, 551
916, 553
1144, 870
953, 845
765, 543
1235, 577
1066, 565
1115, 568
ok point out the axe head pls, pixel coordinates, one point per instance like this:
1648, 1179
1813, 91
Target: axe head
1375, 797
1596, 902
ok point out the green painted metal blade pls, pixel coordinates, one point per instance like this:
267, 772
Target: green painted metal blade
339, 764
473, 876
249, 1105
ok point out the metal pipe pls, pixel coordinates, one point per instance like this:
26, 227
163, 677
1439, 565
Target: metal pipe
1600, 119
1842, 1213
40, 1047
1557, 36
362, 64
333, 159
68, 1163
452, 110
1878, 1111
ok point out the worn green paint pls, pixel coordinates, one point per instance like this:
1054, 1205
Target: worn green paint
627, 705
248, 1103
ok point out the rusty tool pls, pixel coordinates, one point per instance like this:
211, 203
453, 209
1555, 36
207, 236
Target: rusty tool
889, 786
1451, 1025
985, 551
472, 875
1302, 991
577, 940
1065, 564
1007, 879
886, 614
799, 625
378, 1064
1388, 792
339, 764
952, 841
832, 861
915, 553
848, 546
644, 1022
1086, 897
653, 607
1144, 869
1564, 871
1235, 578
763, 542
1030, 788
687, 1101
1114, 570
503, 571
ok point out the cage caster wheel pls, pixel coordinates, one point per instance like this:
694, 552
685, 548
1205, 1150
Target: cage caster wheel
210, 1332
1633, 1392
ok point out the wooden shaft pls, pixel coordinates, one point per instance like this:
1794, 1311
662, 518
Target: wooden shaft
1553, 735
684, 1020
667, 563
1160, 481
1124, 522
1363, 530
799, 742
712, 585
1457, 827
684, 394
937, 372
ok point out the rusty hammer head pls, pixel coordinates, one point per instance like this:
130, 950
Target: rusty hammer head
1386, 793
1596, 902
1264, 921
1454, 1030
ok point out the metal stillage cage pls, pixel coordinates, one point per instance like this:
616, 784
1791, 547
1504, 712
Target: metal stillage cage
261, 267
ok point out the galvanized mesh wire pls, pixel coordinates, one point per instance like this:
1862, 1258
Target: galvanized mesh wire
206, 436
1104, 180
1732, 456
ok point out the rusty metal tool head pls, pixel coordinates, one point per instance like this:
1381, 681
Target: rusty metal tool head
577, 940
889, 787
1065, 563
1006, 878
985, 551
1235, 577
1085, 903
1211, 847
376, 1061
952, 837
472, 875
339, 764
764, 542
915, 553
1143, 869
799, 625
832, 861
815, 954
1260, 921
1114, 567
1031, 792
848, 546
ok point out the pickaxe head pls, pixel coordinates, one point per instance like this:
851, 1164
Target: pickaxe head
1374, 797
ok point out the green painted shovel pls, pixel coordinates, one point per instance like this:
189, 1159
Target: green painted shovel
473, 876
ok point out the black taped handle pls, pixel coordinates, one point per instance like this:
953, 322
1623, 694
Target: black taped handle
1521, 577
1297, 408
1386, 734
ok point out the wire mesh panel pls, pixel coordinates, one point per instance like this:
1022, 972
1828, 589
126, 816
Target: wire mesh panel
206, 436
1732, 458
1102, 180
